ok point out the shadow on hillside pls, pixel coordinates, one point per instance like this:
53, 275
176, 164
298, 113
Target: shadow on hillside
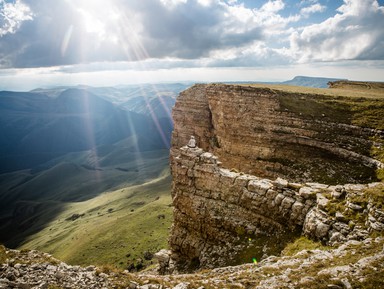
30, 200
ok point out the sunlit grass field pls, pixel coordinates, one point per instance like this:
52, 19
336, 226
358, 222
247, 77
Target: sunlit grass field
114, 228
373, 91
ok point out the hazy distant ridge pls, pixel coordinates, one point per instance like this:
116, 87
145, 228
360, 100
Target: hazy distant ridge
319, 82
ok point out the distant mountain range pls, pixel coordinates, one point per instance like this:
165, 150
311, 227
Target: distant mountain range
319, 82
68, 144
41, 125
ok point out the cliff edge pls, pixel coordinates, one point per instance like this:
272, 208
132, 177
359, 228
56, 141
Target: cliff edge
305, 137
270, 166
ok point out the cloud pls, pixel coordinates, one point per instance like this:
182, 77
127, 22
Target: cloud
12, 15
355, 32
187, 33
306, 11
83, 31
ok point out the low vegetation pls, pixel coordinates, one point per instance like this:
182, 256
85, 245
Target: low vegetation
3, 256
116, 228
300, 244
373, 196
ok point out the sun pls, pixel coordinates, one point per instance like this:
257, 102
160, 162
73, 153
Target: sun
110, 25
100, 17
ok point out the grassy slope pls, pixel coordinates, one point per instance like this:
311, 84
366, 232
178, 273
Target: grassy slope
114, 225
348, 91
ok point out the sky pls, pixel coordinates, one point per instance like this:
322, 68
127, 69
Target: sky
108, 42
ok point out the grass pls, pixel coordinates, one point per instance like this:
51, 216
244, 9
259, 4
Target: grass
300, 244
117, 227
3, 255
362, 107
76, 218
335, 92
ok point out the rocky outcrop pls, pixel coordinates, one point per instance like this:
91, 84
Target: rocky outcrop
225, 209
222, 217
270, 133
34, 269
355, 264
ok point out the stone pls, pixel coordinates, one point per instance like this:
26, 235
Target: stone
279, 198
322, 201
163, 256
287, 203
133, 285
337, 238
346, 283
308, 192
340, 217
317, 186
182, 286
280, 183
322, 230
90, 268
354, 206
297, 209
259, 186
337, 192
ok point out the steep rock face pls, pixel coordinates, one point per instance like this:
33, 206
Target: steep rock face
262, 132
223, 217
225, 210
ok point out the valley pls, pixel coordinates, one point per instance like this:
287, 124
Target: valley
78, 161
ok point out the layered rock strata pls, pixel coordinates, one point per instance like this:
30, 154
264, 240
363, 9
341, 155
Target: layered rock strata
272, 134
228, 212
223, 217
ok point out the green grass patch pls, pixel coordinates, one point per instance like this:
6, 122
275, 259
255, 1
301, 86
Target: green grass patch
116, 228
255, 247
364, 112
3, 256
300, 244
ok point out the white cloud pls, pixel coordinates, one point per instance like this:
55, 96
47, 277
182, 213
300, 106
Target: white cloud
12, 15
315, 8
273, 6
191, 33
172, 3
354, 33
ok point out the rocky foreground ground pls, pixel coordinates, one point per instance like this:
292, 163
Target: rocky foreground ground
355, 264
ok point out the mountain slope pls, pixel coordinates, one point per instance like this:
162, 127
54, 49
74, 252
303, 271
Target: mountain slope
66, 145
319, 82
37, 128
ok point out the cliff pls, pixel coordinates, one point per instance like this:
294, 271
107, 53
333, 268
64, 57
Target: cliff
231, 195
273, 133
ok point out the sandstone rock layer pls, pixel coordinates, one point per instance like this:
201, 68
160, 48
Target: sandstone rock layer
276, 134
225, 218
232, 201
